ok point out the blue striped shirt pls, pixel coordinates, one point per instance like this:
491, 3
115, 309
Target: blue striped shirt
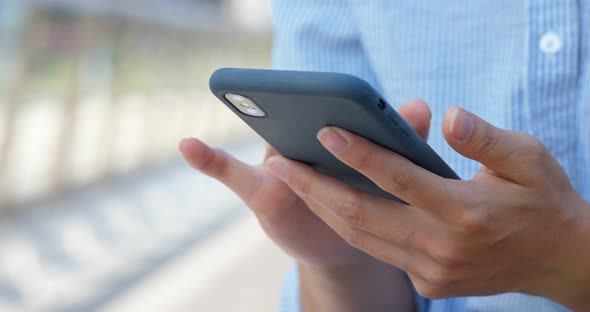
521, 65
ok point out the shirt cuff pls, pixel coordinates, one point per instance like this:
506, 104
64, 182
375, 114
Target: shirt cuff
289, 301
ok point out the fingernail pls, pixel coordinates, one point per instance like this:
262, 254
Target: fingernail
278, 167
461, 123
332, 140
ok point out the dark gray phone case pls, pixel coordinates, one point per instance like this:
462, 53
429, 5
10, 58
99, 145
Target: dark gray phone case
299, 104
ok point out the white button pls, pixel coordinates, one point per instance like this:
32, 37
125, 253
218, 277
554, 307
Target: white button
550, 43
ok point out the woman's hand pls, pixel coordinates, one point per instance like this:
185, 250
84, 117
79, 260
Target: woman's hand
360, 282
516, 226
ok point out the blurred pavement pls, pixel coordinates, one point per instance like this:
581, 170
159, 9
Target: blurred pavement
245, 277
162, 239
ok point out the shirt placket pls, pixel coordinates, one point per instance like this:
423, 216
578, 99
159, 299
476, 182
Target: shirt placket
552, 73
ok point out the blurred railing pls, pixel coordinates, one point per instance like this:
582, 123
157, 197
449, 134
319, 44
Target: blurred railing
95, 89
94, 97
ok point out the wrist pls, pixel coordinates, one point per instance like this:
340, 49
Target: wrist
369, 285
574, 291
583, 268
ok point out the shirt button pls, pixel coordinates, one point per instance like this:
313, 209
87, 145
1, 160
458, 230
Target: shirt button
550, 43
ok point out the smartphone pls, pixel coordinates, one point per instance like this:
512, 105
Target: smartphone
288, 108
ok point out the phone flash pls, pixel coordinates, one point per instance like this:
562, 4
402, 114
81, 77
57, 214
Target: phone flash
236, 98
245, 105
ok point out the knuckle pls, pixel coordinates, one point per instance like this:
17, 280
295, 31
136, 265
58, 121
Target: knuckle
474, 221
431, 291
439, 276
353, 238
352, 211
410, 238
406, 263
302, 182
365, 160
401, 182
450, 259
487, 142
533, 152
443, 277
450, 256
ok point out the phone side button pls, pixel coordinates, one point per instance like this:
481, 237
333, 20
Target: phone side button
405, 131
393, 119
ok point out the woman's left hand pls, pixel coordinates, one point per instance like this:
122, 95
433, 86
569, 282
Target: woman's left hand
517, 226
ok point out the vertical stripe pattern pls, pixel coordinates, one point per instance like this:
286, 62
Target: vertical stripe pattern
522, 65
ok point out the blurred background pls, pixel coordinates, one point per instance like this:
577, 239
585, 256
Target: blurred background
97, 210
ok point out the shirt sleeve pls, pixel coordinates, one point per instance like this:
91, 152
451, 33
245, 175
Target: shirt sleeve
508, 302
511, 302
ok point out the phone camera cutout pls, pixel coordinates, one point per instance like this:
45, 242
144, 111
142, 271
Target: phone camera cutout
245, 105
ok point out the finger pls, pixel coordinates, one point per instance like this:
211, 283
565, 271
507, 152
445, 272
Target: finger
414, 262
382, 217
383, 228
417, 114
403, 258
390, 171
238, 176
270, 151
508, 153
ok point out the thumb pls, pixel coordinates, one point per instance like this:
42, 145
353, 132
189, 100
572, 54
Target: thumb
508, 153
